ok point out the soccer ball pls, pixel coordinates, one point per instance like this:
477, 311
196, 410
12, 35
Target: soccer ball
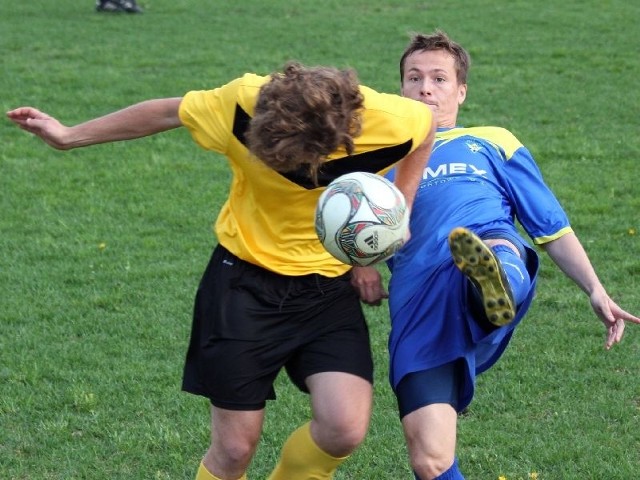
362, 218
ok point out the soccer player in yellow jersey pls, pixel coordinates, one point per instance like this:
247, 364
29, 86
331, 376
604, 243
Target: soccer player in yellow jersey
271, 296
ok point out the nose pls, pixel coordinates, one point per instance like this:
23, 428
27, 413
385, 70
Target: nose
425, 88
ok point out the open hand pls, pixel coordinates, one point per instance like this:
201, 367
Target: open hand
612, 316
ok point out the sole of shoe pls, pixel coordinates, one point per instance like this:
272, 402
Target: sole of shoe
478, 263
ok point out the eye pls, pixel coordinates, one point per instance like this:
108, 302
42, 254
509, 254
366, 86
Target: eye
440, 79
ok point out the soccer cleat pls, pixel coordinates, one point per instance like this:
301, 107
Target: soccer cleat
128, 6
479, 264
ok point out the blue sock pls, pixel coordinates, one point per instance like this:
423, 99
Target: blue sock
517, 274
452, 474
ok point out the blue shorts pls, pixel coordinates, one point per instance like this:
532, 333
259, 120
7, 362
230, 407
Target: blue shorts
439, 327
436, 385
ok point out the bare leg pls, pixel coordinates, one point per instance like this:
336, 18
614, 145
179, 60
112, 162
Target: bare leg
341, 405
234, 438
430, 433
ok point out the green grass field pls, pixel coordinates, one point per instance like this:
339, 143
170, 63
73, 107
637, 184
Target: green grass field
101, 249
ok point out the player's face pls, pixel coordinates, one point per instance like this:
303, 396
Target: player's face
430, 77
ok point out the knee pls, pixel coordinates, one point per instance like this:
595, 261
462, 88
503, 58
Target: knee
340, 437
431, 466
231, 454
353, 434
239, 451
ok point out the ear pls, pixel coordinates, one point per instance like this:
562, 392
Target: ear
462, 93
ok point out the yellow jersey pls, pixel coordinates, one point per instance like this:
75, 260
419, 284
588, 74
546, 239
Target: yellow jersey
268, 218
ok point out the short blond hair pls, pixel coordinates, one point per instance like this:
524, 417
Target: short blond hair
439, 41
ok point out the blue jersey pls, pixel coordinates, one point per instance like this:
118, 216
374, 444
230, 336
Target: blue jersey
483, 179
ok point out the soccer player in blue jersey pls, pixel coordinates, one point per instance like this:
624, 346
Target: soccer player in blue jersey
466, 277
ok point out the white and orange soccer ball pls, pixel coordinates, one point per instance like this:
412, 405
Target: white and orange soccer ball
362, 218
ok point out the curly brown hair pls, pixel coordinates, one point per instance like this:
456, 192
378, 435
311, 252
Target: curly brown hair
304, 114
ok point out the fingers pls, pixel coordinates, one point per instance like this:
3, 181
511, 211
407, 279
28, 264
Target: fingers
26, 118
626, 316
373, 296
23, 113
614, 319
367, 281
615, 333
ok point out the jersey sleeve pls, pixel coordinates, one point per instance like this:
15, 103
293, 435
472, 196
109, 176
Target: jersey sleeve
536, 207
208, 115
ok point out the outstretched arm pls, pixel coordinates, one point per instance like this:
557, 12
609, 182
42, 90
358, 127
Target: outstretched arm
568, 253
139, 120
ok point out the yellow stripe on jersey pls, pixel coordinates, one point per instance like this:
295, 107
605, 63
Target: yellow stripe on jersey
549, 238
498, 136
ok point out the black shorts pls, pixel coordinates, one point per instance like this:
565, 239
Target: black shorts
249, 322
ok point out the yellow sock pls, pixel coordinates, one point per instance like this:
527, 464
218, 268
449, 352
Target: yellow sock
302, 459
204, 474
